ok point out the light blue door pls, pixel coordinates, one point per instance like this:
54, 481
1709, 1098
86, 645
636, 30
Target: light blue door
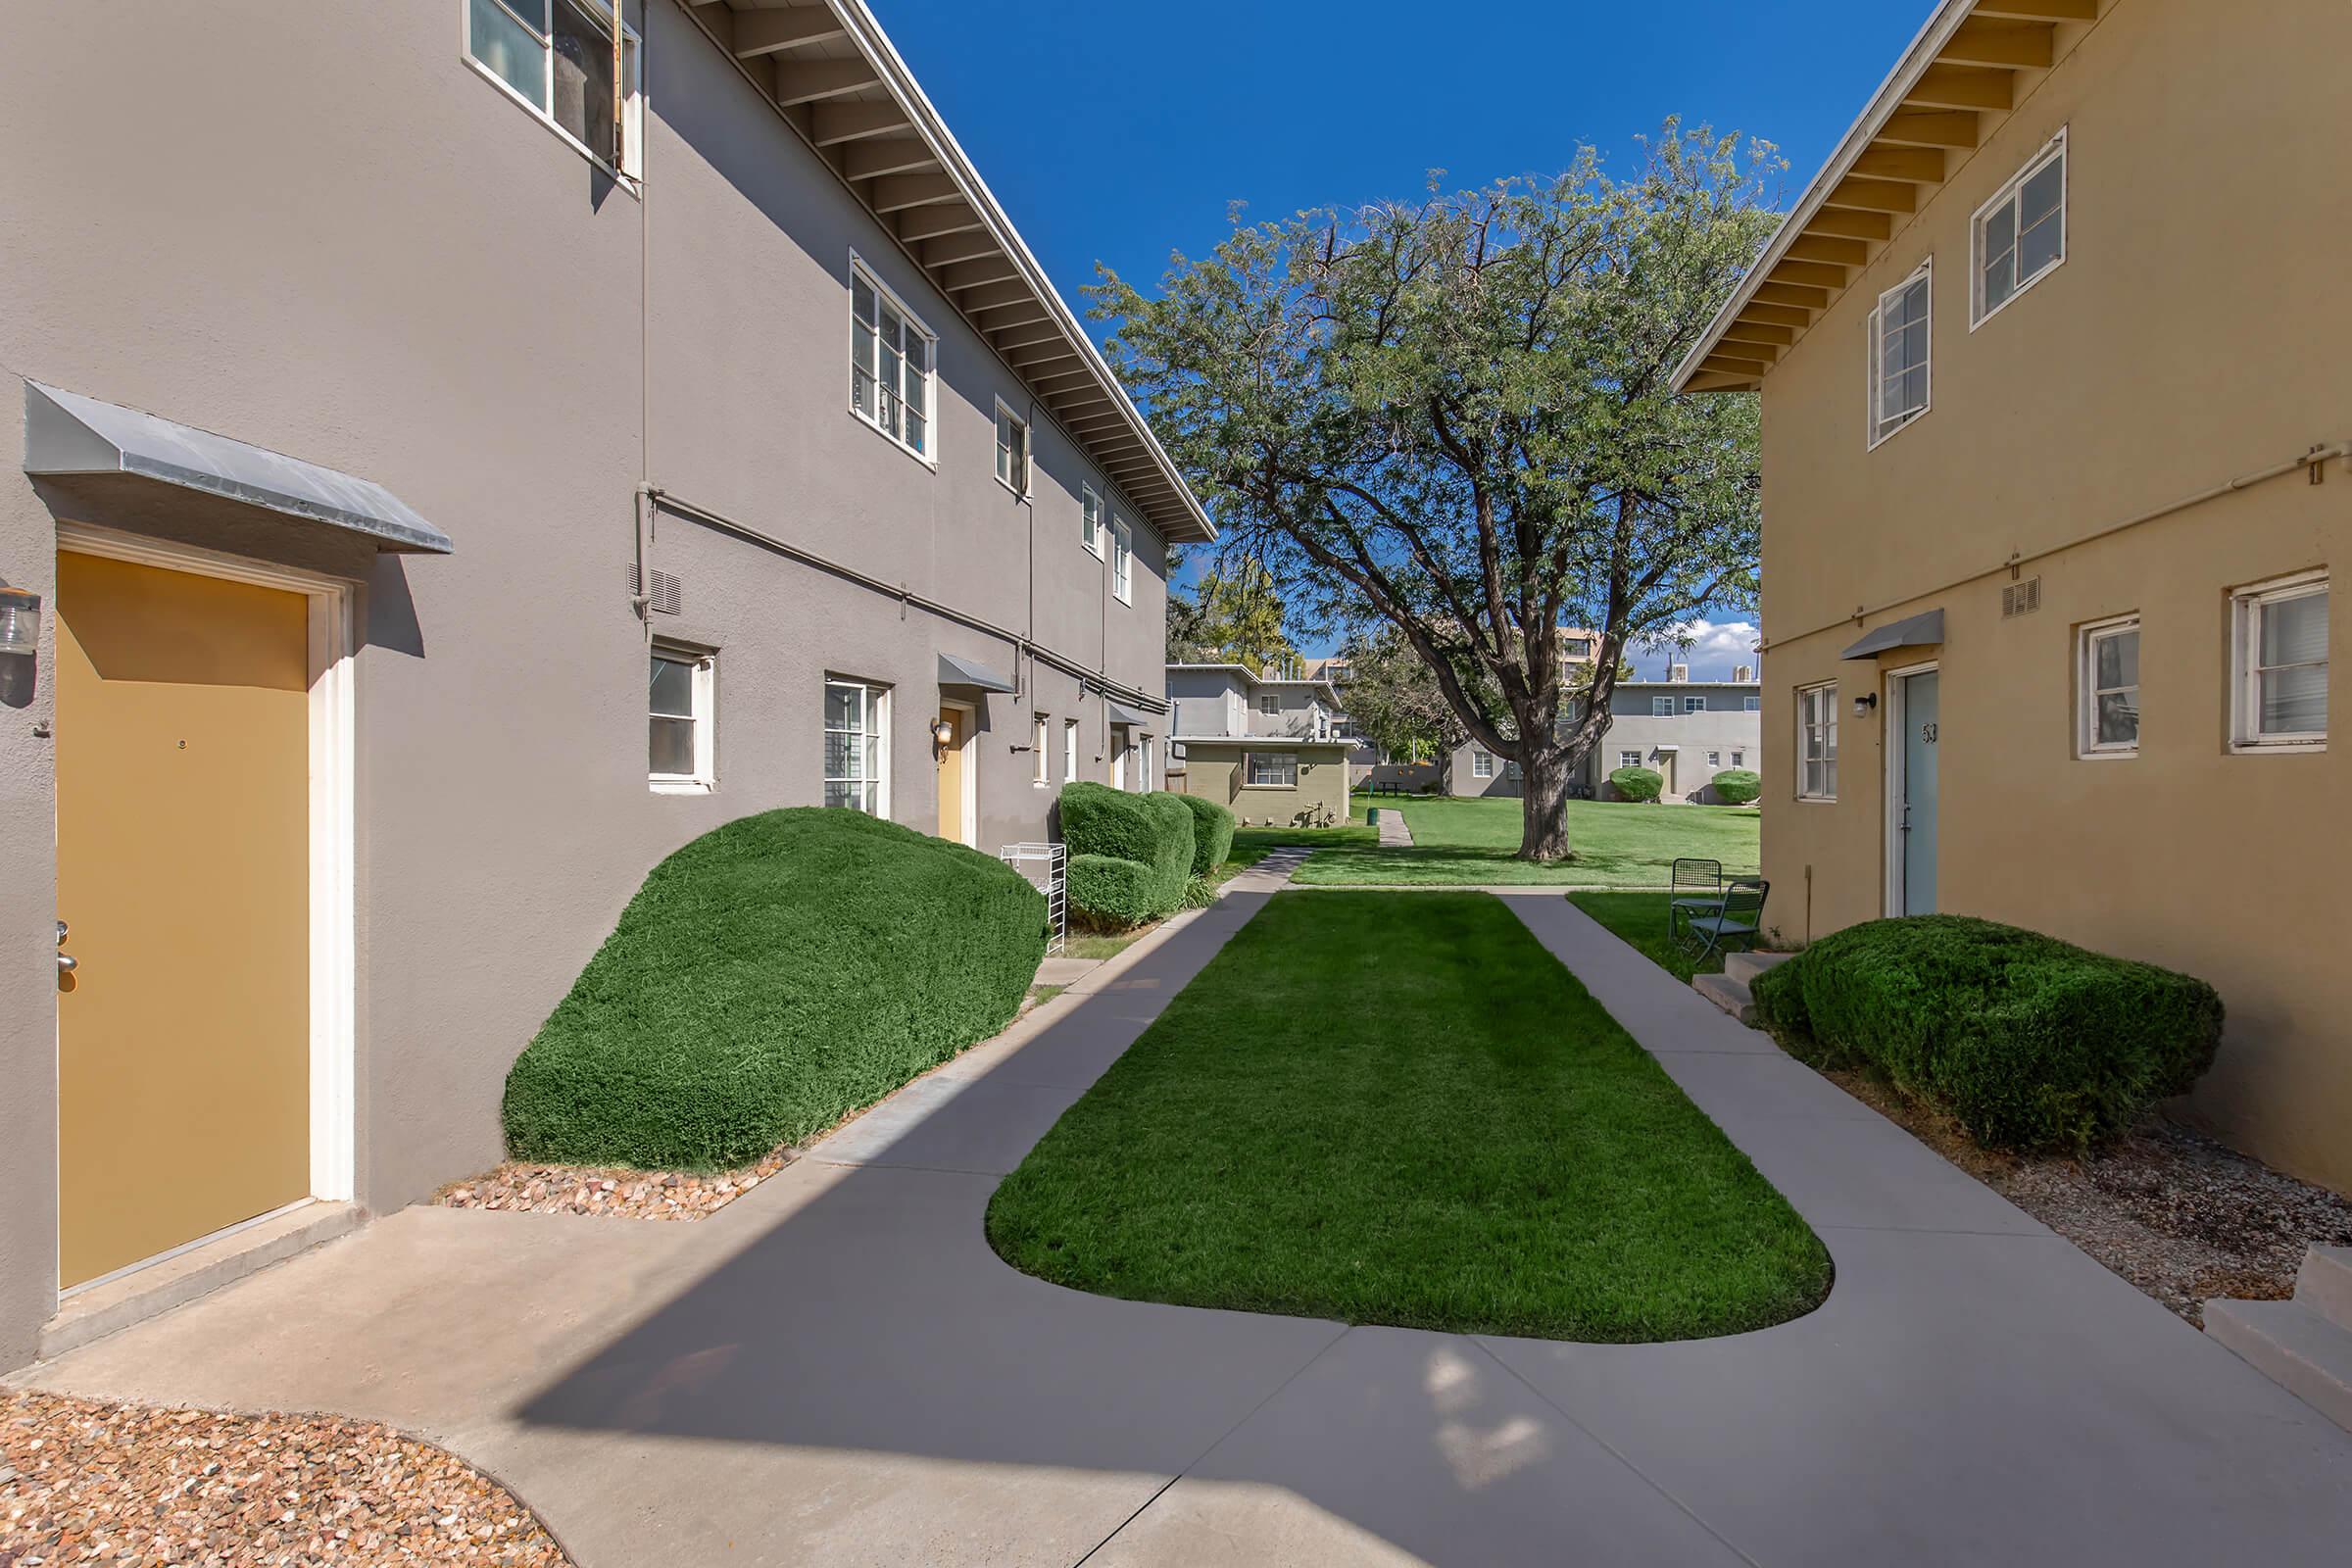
1920, 737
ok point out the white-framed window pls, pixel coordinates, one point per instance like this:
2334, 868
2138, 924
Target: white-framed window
1041, 759
682, 720
1122, 561
1694, 704
2020, 235
2107, 687
1142, 764
1739, 758
1900, 335
857, 746
1272, 770
892, 359
1817, 741
1269, 703
1481, 763
2279, 664
555, 57
1629, 758
1013, 449
1069, 750
1090, 521
1661, 708
1751, 705
1714, 759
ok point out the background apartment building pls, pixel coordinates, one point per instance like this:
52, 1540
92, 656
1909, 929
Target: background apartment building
1275, 749
452, 486
2053, 393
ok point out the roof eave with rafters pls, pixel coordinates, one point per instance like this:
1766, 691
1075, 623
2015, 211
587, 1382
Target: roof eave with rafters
836, 77
1968, 61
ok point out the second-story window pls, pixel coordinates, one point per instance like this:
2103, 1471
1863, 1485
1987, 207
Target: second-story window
557, 57
1899, 355
1269, 704
890, 365
1013, 449
1694, 704
1661, 708
1122, 561
1090, 521
2020, 233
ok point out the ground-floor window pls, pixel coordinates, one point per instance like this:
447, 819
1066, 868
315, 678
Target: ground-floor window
2281, 663
1039, 758
2108, 687
1629, 758
1271, 770
857, 746
1817, 741
1482, 764
681, 742
1714, 759
1739, 758
1069, 750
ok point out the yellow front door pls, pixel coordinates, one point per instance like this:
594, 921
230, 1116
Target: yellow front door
183, 879
951, 776
1666, 760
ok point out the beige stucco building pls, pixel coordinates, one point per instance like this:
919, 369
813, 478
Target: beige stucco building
2055, 414
451, 487
1274, 748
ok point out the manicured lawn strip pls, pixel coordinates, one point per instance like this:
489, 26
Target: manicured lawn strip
1475, 841
1406, 1113
1251, 845
1639, 920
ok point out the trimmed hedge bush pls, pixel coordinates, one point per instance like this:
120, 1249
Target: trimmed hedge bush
2029, 1042
1212, 833
1153, 832
770, 977
1636, 783
1737, 786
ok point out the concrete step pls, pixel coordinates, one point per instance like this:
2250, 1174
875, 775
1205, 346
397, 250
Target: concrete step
1731, 994
2323, 1284
1745, 967
2294, 1348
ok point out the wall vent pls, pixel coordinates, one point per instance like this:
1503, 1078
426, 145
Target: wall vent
668, 595
2021, 597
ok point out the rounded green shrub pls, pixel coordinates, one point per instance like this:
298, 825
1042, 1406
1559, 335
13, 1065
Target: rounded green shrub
2030, 1043
1212, 833
1737, 786
767, 979
1106, 893
1152, 831
1636, 783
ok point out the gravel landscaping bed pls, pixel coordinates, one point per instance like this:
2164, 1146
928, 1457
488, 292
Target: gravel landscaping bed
87, 1481
526, 1189
2180, 1216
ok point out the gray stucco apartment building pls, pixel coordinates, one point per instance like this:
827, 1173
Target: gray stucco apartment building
1688, 731
451, 487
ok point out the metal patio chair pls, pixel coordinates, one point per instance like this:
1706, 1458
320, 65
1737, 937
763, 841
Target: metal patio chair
1697, 890
1738, 920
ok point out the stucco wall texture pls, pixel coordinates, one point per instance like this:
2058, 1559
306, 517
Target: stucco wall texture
2171, 352
399, 273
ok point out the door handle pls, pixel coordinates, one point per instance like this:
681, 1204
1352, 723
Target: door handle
65, 964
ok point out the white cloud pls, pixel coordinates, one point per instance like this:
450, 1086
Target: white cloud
1713, 647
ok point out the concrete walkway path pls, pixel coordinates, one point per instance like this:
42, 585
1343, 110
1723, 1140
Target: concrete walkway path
836, 1369
1396, 833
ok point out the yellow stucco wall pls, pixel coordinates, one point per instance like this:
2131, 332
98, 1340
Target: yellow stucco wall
2187, 340
1214, 772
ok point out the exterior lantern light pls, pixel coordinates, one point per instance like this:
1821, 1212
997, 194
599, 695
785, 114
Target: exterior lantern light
20, 644
1864, 704
943, 735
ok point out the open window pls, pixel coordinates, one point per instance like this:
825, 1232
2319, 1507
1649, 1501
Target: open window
555, 57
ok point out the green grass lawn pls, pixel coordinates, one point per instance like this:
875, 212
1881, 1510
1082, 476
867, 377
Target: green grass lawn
1251, 845
1640, 919
1421, 1121
1615, 843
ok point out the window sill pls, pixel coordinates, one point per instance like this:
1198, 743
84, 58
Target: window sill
2121, 753
1021, 496
2016, 293
2297, 748
1816, 800
1878, 441
927, 460
1095, 551
683, 786
633, 184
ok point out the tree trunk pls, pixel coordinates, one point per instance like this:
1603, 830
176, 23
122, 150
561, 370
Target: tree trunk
1543, 776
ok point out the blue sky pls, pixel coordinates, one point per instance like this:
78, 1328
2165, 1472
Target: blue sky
1118, 131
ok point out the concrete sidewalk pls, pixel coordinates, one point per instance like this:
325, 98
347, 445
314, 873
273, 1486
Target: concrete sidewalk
836, 1369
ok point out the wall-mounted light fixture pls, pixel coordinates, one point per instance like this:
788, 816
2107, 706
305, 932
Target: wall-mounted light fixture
20, 644
1864, 704
942, 736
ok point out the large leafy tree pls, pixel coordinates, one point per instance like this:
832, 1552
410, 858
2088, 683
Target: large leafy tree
1454, 417
1234, 616
1395, 701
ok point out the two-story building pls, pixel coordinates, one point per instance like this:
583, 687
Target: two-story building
451, 484
2054, 405
1686, 731
1274, 748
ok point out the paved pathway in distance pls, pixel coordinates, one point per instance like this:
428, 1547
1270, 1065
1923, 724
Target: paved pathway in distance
1395, 832
837, 1370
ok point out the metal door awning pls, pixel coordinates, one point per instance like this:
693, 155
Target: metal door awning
955, 672
1917, 631
69, 434
1132, 718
